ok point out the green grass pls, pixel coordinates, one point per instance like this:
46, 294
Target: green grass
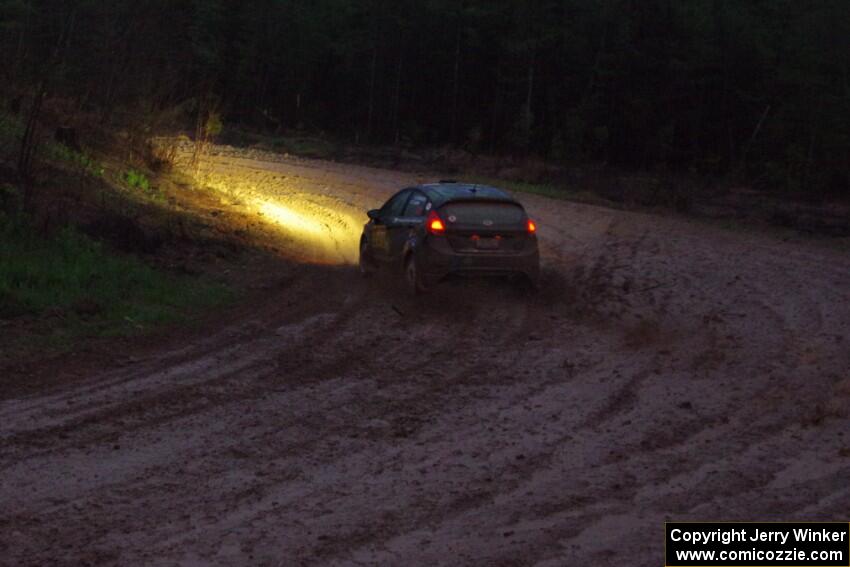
60, 152
88, 290
138, 181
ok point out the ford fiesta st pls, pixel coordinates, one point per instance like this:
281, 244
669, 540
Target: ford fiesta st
431, 231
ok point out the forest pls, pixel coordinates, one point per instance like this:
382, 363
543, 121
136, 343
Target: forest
752, 90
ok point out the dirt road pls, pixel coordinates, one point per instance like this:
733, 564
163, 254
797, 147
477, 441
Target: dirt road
667, 370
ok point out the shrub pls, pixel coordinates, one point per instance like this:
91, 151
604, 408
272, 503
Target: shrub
137, 180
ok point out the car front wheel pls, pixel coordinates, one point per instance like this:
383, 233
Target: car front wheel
413, 277
366, 265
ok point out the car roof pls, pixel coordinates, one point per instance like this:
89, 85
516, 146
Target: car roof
444, 192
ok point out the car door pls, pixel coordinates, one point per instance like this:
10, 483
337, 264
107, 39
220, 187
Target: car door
384, 226
403, 227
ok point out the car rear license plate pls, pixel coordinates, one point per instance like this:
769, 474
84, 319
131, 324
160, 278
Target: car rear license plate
487, 243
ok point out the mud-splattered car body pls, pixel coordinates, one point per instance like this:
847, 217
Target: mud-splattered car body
431, 231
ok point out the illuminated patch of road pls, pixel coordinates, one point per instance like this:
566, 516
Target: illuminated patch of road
291, 220
322, 229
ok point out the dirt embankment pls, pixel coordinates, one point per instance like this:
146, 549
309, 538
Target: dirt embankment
667, 370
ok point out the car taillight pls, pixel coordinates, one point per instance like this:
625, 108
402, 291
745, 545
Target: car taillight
435, 223
532, 228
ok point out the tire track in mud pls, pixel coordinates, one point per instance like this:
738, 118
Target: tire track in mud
320, 371
680, 440
402, 402
720, 426
206, 361
467, 503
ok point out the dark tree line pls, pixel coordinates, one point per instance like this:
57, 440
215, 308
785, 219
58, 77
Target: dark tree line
757, 88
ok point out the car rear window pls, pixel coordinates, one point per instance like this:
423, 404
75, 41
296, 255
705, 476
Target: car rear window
487, 214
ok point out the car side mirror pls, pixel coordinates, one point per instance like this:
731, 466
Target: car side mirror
374, 214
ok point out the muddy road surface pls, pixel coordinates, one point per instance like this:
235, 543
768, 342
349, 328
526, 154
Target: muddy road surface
667, 370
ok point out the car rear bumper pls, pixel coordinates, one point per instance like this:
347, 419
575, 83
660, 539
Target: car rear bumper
438, 260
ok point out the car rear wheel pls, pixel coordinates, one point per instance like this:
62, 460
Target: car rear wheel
532, 280
366, 265
413, 277
528, 283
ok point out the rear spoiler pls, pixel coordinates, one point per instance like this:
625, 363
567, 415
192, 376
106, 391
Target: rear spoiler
482, 200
